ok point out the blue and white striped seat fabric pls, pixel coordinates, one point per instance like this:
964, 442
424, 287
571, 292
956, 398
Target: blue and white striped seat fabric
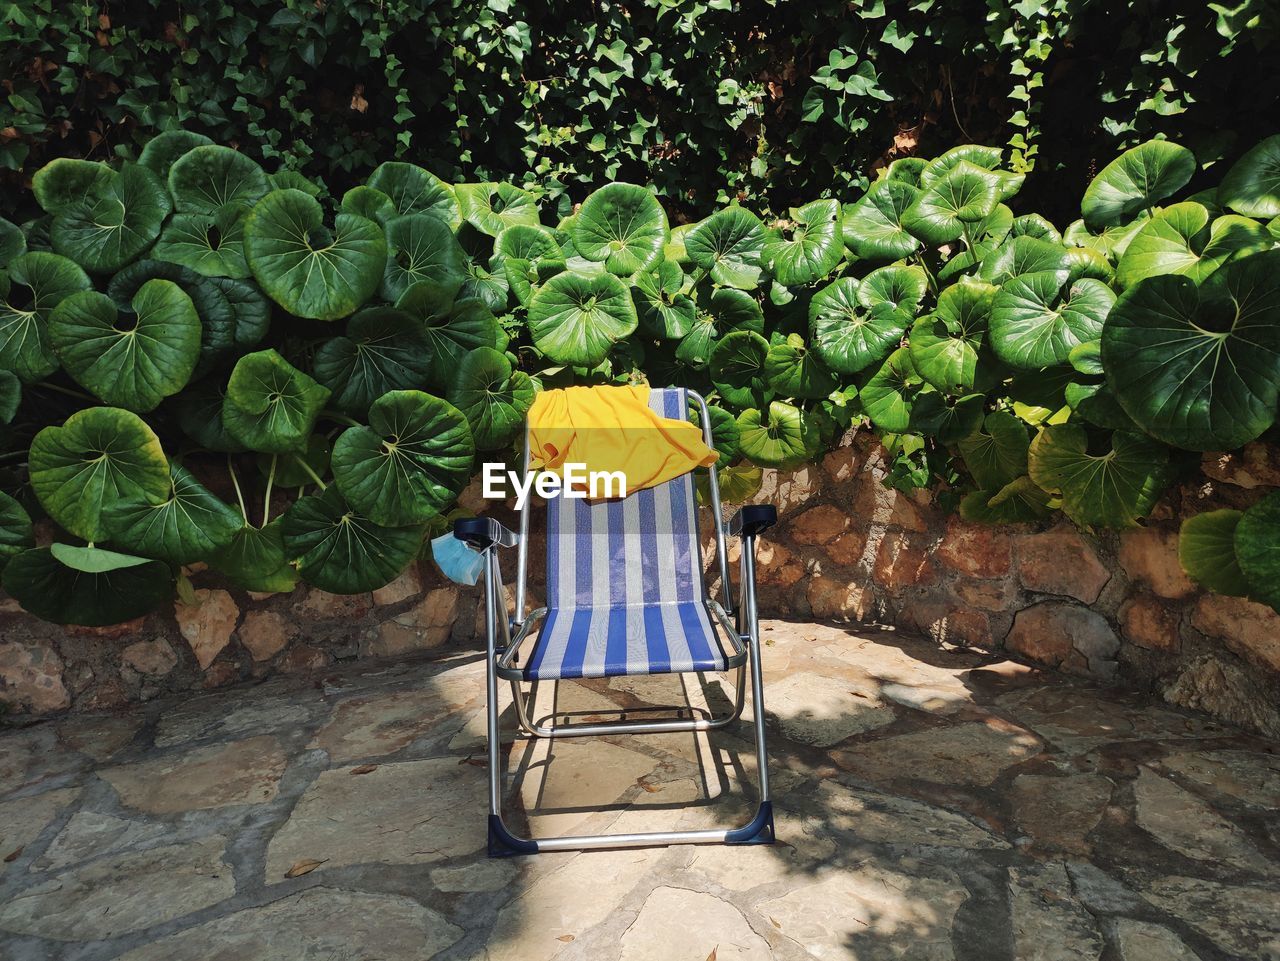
624, 582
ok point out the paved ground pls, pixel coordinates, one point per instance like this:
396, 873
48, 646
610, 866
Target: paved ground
932, 805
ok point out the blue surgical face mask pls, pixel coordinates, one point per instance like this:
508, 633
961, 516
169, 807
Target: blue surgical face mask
458, 561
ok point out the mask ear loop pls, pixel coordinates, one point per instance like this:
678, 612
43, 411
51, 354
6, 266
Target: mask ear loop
457, 560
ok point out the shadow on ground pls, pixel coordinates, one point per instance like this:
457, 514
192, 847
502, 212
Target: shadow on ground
932, 803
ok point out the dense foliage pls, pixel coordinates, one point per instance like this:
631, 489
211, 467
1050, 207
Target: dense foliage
706, 100
189, 331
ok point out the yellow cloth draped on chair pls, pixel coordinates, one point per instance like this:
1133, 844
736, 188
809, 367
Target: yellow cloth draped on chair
613, 429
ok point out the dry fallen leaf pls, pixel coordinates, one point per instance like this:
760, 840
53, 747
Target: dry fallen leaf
566, 938
364, 769
305, 866
13, 856
774, 922
712, 955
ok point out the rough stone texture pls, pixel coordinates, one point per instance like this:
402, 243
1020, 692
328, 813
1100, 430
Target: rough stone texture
1150, 555
1182, 822
266, 633
819, 525
243, 772
31, 678
1057, 813
152, 658
873, 912
1060, 561
425, 626
208, 624
349, 818
1149, 622
1226, 690
107, 898
976, 550
986, 775
315, 924
721, 930
1067, 636
1049, 923
1249, 629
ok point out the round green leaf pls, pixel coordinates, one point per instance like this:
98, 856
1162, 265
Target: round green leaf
1022, 255
409, 464
1257, 542
210, 244
873, 227
1033, 225
16, 532
252, 310
738, 367
451, 327
788, 437
1111, 489
727, 245
792, 370
996, 454
98, 458
725, 437
738, 483
623, 226
190, 525
35, 284
964, 195
13, 243
576, 318
118, 223
1199, 368
988, 158
421, 247
948, 347
663, 311
900, 287
727, 309
205, 179
64, 182
255, 559
1136, 180
53, 591
492, 396
10, 396
1181, 240
1207, 550
848, 336
304, 267
343, 552
531, 242
492, 207
163, 150
270, 405
947, 417
415, 191
1036, 319
1252, 186
814, 247
132, 360
371, 204
384, 349
889, 396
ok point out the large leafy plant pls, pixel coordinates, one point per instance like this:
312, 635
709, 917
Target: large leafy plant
204, 363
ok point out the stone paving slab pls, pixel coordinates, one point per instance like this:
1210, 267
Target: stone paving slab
933, 804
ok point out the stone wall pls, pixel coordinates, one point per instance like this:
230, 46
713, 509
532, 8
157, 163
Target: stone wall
1116, 607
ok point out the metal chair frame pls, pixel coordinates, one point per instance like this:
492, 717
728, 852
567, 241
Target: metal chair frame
504, 636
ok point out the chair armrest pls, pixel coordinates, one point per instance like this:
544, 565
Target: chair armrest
752, 520
483, 532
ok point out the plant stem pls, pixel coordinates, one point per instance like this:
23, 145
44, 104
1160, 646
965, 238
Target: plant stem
235, 482
306, 469
271, 479
340, 418
78, 394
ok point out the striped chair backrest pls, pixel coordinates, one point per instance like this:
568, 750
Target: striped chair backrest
643, 549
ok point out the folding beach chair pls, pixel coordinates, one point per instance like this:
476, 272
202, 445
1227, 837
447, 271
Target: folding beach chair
625, 596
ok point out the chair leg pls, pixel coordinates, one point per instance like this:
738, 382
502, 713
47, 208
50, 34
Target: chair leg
503, 842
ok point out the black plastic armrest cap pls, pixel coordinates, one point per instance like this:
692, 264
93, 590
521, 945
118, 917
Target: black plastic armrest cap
483, 532
753, 519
